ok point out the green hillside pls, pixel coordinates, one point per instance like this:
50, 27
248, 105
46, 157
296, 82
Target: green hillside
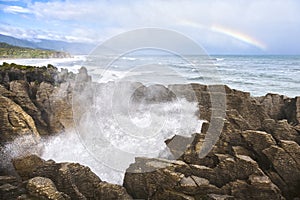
9, 51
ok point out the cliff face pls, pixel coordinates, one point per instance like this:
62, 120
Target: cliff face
41, 97
257, 155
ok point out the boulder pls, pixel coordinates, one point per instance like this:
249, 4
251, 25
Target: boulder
25, 166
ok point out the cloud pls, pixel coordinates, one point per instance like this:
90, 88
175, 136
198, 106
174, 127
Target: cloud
260, 20
16, 9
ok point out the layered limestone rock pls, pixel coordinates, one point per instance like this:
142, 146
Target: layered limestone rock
158, 179
64, 180
256, 155
14, 121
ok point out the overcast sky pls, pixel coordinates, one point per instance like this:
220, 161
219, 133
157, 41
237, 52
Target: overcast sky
224, 26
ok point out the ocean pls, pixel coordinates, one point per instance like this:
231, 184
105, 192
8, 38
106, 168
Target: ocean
258, 75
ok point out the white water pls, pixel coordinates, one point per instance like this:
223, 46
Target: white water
111, 159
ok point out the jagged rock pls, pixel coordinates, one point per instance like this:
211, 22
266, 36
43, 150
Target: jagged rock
44, 188
293, 149
25, 166
169, 194
237, 121
144, 178
292, 110
281, 107
6, 93
258, 140
259, 187
8, 179
73, 179
45, 104
150, 178
11, 72
8, 191
219, 197
285, 161
249, 108
281, 130
178, 145
61, 100
231, 169
10, 188
23, 97
151, 94
14, 121
108, 191
230, 136
82, 75
274, 105
298, 109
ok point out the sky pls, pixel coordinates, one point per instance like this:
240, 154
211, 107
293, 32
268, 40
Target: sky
219, 26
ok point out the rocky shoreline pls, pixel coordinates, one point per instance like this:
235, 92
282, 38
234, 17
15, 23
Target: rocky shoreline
257, 155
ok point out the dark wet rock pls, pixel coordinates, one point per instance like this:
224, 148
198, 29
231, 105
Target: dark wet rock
8, 179
8, 191
11, 72
292, 110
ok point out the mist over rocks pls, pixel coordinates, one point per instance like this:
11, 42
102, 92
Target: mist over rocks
257, 155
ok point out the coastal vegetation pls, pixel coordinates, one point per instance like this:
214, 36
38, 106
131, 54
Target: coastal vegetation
10, 51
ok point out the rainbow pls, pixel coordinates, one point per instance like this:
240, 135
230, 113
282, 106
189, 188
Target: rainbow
239, 36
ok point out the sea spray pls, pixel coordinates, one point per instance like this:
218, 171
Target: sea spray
69, 147
115, 126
